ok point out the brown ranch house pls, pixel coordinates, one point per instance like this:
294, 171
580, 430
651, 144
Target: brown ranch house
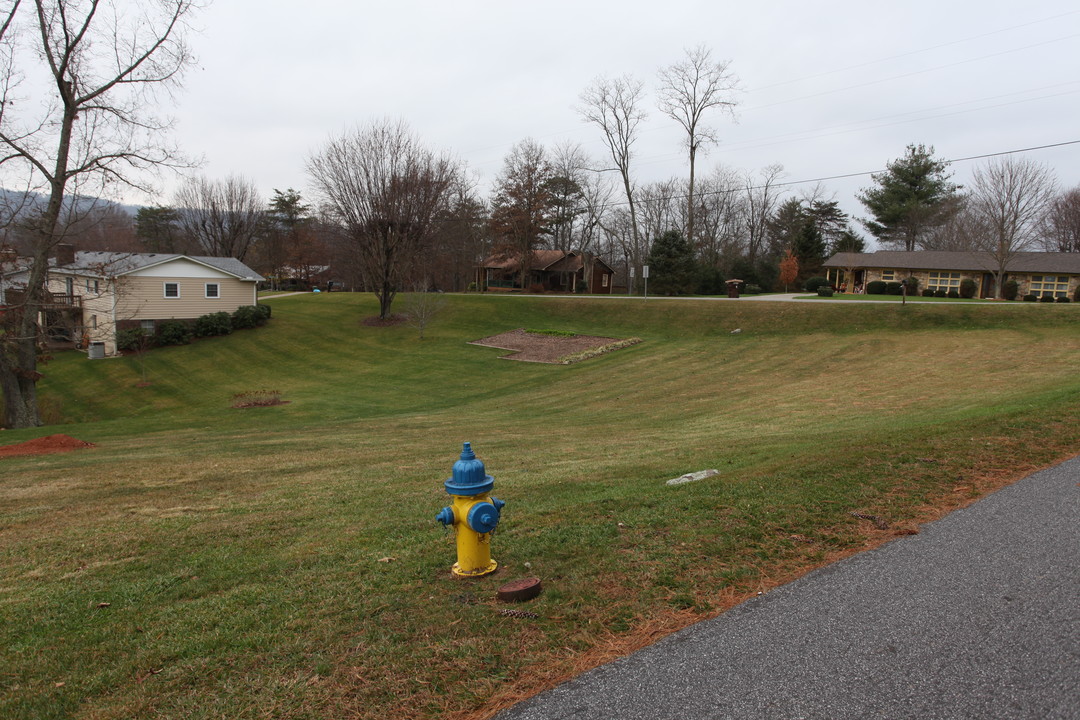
92, 295
549, 270
1055, 274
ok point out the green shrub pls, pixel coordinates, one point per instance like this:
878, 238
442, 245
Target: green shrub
1076, 294
1031, 298
954, 294
753, 289
940, 293
913, 285
247, 316
1010, 290
825, 291
928, 292
1062, 299
893, 287
264, 310
132, 339
814, 283
968, 288
219, 323
875, 287
1047, 298
173, 332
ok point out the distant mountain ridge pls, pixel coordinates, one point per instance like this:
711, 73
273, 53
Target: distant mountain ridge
25, 201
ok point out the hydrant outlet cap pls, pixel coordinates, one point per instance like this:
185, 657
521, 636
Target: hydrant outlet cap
468, 475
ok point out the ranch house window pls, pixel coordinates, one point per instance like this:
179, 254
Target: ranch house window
888, 275
1049, 285
212, 290
172, 290
147, 326
944, 281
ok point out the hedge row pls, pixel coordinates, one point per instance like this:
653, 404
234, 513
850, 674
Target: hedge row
180, 332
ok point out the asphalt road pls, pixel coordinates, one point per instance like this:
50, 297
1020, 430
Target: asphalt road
978, 616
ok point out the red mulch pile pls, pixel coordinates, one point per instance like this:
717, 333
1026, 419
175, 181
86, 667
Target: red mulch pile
44, 446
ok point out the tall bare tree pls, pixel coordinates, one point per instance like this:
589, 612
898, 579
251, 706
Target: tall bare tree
385, 190
1061, 223
614, 106
523, 210
224, 218
689, 89
1008, 198
762, 194
96, 133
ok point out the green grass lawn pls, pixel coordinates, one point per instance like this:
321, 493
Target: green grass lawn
204, 561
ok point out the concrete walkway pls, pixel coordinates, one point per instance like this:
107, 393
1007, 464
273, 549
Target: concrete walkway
978, 616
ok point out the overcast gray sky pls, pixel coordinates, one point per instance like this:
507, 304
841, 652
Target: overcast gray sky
829, 88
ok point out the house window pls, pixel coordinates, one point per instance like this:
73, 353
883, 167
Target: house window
172, 290
69, 285
1049, 285
603, 282
212, 290
87, 284
147, 326
888, 275
943, 281
93, 322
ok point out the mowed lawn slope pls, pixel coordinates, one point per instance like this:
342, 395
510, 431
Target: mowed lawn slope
204, 561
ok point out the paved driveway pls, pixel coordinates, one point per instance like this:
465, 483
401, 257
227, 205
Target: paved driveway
978, 616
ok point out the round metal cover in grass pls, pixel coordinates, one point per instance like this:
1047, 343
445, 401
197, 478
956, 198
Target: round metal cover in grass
519, 590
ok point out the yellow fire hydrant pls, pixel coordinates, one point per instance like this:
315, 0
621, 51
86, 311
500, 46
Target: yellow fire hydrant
474, 513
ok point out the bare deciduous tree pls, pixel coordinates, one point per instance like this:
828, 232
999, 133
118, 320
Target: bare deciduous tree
762, 195
224, 218
1008, 198
522, 211
688, 89
614, 107
96, 133
1061, 223
385, 190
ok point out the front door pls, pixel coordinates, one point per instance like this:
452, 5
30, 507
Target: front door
988, 286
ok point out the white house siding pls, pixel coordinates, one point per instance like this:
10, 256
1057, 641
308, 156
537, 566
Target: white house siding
143, 298
98, 320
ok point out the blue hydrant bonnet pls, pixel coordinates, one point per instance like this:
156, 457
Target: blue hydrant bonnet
468, 475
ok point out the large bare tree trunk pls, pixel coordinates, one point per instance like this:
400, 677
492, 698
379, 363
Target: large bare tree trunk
97, 133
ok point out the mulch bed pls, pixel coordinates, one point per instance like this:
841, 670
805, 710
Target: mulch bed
44, 446
538, 347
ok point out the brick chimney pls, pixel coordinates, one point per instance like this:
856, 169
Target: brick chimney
65, 253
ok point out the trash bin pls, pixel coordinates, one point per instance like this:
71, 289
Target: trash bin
97, 351
733, 288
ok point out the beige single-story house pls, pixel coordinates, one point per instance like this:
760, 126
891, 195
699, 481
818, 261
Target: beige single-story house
1056, 274
550, 270
92, 295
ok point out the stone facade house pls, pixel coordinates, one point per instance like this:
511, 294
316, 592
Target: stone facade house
1036, 273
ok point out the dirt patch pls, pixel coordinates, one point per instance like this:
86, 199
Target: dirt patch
44, 446
376, 321
555, 349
